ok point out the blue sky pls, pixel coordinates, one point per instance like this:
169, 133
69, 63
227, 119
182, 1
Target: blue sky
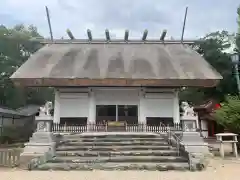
204, 16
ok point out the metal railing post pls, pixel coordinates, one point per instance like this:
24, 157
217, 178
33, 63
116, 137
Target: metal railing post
172, 134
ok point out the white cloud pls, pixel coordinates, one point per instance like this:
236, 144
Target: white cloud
136, 15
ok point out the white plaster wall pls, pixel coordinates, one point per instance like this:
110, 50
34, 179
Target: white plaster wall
70, 103
158, 105
75, 103
117, 97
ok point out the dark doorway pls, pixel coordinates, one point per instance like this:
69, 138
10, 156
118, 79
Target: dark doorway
73, 120
128, 113
105, 113
156, 121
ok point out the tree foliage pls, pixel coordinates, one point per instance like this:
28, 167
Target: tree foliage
238, 33
15, 49
229, 114
213, 49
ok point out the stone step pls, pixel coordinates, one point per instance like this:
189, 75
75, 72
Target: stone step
94, 139
122, 153
115, 166
114, 135
122, 143
118, 159
111, 148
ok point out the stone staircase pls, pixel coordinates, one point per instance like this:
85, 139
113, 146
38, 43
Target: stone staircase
115, 151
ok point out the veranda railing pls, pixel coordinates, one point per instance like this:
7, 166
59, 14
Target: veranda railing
104, 128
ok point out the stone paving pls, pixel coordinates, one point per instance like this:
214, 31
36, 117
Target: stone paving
218, 170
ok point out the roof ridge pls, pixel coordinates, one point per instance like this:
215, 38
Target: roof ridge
113, 41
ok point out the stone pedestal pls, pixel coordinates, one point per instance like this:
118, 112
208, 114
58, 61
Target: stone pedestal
42, 140
40, 143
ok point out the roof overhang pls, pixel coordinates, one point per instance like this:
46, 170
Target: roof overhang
63, 82
119, 64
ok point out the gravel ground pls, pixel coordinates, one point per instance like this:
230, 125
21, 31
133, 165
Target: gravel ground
218, 170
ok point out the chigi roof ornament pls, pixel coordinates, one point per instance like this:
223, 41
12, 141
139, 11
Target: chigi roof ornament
108, 39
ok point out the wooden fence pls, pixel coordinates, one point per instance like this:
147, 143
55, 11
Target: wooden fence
68, 128
9, 157
104, 127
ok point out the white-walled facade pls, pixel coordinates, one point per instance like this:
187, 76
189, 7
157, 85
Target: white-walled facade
82, 102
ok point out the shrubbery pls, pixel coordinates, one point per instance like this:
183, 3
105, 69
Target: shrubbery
229, 114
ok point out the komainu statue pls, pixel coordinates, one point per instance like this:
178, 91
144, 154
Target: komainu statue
46, 109
187, 109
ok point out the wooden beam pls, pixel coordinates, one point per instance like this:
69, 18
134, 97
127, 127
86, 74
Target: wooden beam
107, 35
163, 35
110, 82
70, 35
145, 33
126, 35
89, 33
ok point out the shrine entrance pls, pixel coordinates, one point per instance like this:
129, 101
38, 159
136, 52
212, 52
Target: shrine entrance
114, 113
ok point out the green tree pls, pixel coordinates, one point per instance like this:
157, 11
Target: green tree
238, 33
15, 49
213, 49
229, 114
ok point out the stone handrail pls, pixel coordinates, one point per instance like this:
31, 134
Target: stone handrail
34, 163
196, 160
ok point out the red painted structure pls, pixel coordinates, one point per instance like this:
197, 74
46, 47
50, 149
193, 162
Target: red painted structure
205, 113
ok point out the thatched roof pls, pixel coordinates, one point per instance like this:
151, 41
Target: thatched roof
116, 64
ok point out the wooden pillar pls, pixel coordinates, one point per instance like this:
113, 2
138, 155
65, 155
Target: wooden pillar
141, 113
176, 111
92, 109
56, 117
